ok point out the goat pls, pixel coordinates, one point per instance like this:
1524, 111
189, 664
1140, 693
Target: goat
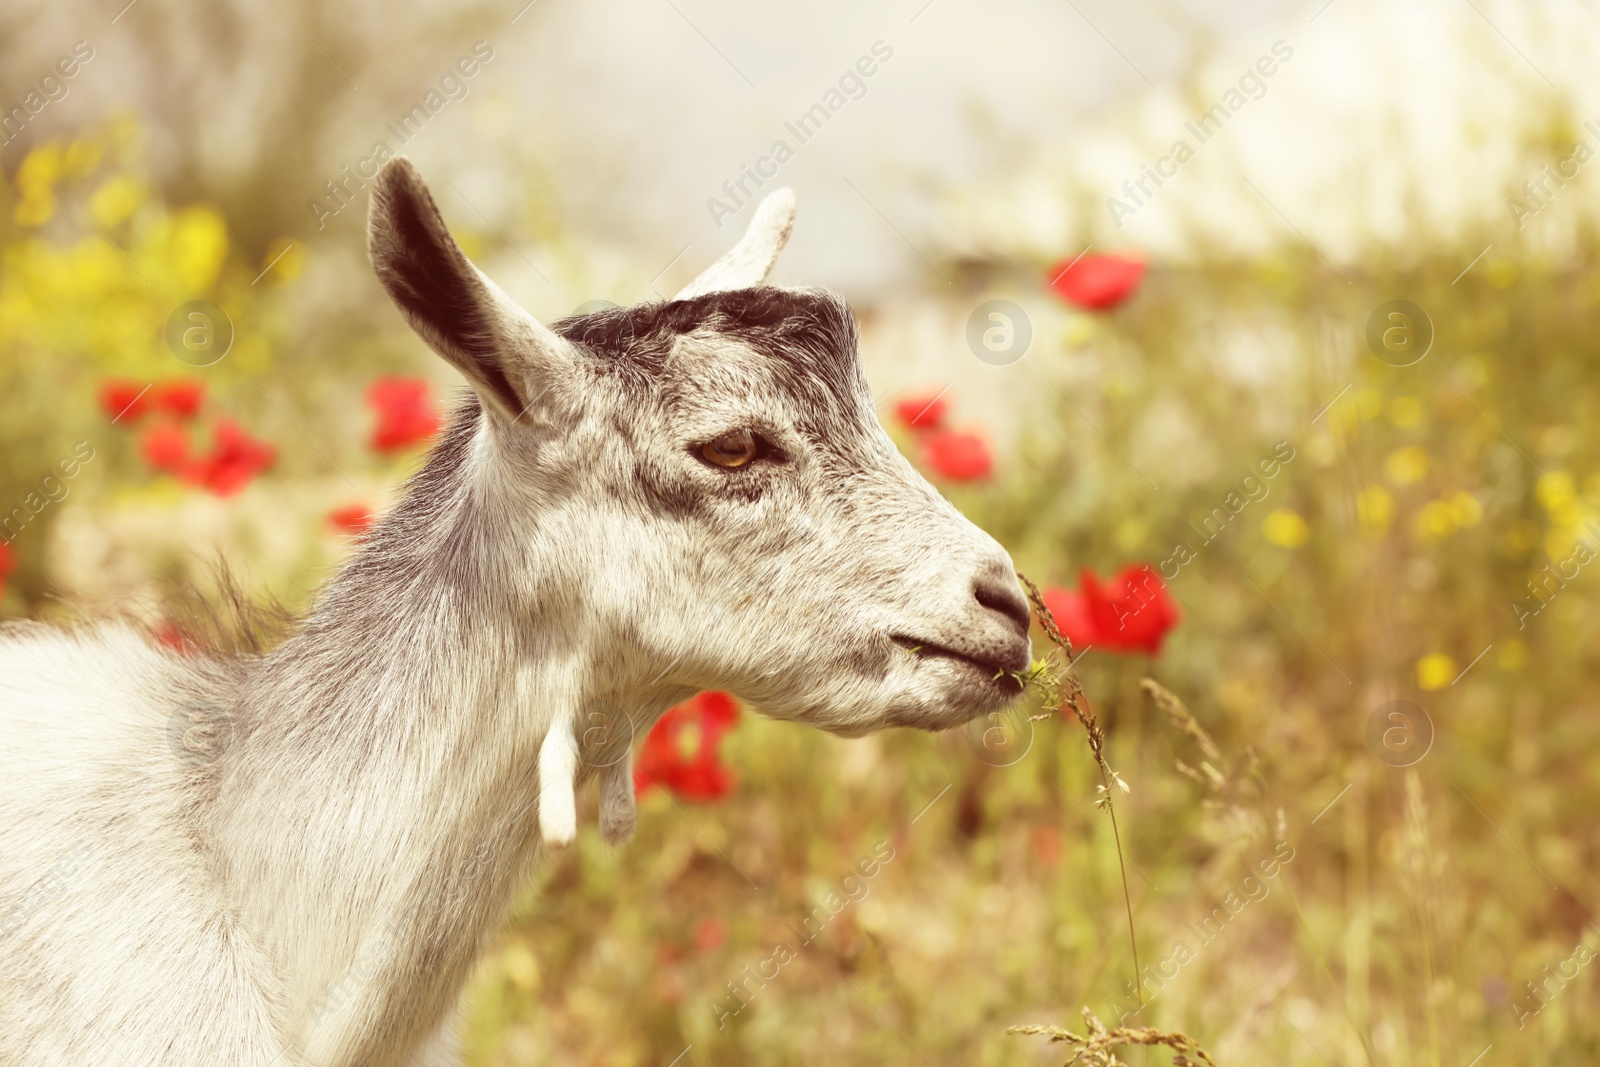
294, 858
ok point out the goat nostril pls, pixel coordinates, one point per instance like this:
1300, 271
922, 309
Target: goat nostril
1002, 596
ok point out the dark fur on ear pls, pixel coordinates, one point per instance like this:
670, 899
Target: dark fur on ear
433, 283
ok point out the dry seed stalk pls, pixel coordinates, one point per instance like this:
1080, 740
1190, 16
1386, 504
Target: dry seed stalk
1235, 789
1181, 717
1072, 696
1096, 1049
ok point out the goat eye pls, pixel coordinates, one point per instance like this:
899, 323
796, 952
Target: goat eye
732, 450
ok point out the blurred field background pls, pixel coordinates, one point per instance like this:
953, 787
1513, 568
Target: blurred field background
1440, 913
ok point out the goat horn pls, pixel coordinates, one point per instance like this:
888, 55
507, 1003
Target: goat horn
748, 262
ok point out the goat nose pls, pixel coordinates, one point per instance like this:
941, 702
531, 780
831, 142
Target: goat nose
999, 593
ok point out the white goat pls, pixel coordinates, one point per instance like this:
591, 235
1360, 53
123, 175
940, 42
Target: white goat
295, 858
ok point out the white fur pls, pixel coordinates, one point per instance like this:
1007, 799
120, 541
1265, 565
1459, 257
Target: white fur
617, 811
558, 764
294, 859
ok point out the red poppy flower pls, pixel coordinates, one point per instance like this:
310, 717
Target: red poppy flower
351, 518
1097, 282
165, 447
1047, 845
1131, 612
8, 563
122, 400
235, 458
922, 412
681, 752
709, 934
958, 456
181, 398
171, 635
406, 414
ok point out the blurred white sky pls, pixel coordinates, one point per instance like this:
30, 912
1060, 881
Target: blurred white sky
992, 124
644, 110
995, 128
1393, 129
630, 114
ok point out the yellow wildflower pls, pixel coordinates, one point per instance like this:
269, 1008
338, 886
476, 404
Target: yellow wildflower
1435, 670
1285, 529
1375, 508
1407, 465
1405, 412
115, 201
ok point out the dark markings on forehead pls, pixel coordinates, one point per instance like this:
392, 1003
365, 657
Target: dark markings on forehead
809, 334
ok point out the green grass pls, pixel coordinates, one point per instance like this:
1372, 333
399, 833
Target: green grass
1386, 561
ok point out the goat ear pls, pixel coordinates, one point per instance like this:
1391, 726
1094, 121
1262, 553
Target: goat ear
510, 358
749, 261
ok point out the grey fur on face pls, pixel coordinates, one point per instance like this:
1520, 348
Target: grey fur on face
630, 506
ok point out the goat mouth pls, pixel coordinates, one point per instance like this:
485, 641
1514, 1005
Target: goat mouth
998, 673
